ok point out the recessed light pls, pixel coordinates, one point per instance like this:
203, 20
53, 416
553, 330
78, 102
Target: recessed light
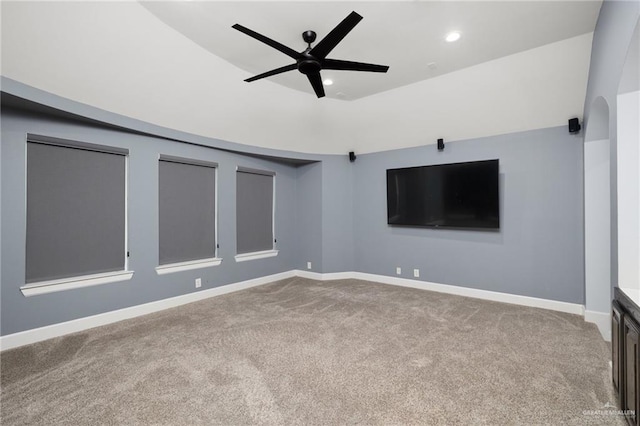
452, 36
327, 82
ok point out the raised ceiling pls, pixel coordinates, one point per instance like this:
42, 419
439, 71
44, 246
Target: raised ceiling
407, 36
120, 57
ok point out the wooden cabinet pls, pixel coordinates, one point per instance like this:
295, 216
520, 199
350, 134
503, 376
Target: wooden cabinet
625, 354
631, 335
616, 323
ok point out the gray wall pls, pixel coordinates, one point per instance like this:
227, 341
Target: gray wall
611, 39
325, 214
538, 251
329, 211
337, 218
309, 216
21, 313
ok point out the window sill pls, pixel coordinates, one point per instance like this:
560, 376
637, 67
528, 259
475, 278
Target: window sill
51, 286
186, 266
256, 255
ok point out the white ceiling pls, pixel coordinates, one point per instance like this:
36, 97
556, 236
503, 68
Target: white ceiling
407, 36
119, 57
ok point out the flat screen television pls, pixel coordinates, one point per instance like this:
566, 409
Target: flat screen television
458, 195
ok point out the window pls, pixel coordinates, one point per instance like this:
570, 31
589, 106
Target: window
76, 215
255, 191
187, 214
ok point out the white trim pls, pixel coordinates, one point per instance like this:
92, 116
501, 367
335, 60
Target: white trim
186, 266
126, 212
325, 277
255, 255
602, 320
216, 246
51, 286
273, 213
554, 305
56, 330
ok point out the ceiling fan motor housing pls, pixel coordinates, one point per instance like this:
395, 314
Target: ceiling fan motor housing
308, 64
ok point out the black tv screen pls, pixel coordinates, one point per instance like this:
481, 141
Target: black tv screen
458, 195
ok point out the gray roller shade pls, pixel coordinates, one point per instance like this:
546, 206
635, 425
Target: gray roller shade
187, 210
254, 210
76, 210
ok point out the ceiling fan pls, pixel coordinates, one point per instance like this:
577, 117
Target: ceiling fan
312, 60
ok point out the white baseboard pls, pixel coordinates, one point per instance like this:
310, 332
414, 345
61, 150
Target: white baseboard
324, 277
56, 330
554, 305
602, 320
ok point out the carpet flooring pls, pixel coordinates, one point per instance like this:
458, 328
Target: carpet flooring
300, 351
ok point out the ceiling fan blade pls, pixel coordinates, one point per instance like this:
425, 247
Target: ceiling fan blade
269, 42
316, 83
336, 64
272, 72
331, 40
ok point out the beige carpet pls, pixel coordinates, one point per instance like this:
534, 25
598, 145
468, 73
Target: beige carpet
305, 352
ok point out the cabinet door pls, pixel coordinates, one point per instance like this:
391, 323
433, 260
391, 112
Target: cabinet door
616, 352
631, 379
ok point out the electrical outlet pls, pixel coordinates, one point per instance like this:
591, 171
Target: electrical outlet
198, 282
416, 273
308, 265
398, 270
